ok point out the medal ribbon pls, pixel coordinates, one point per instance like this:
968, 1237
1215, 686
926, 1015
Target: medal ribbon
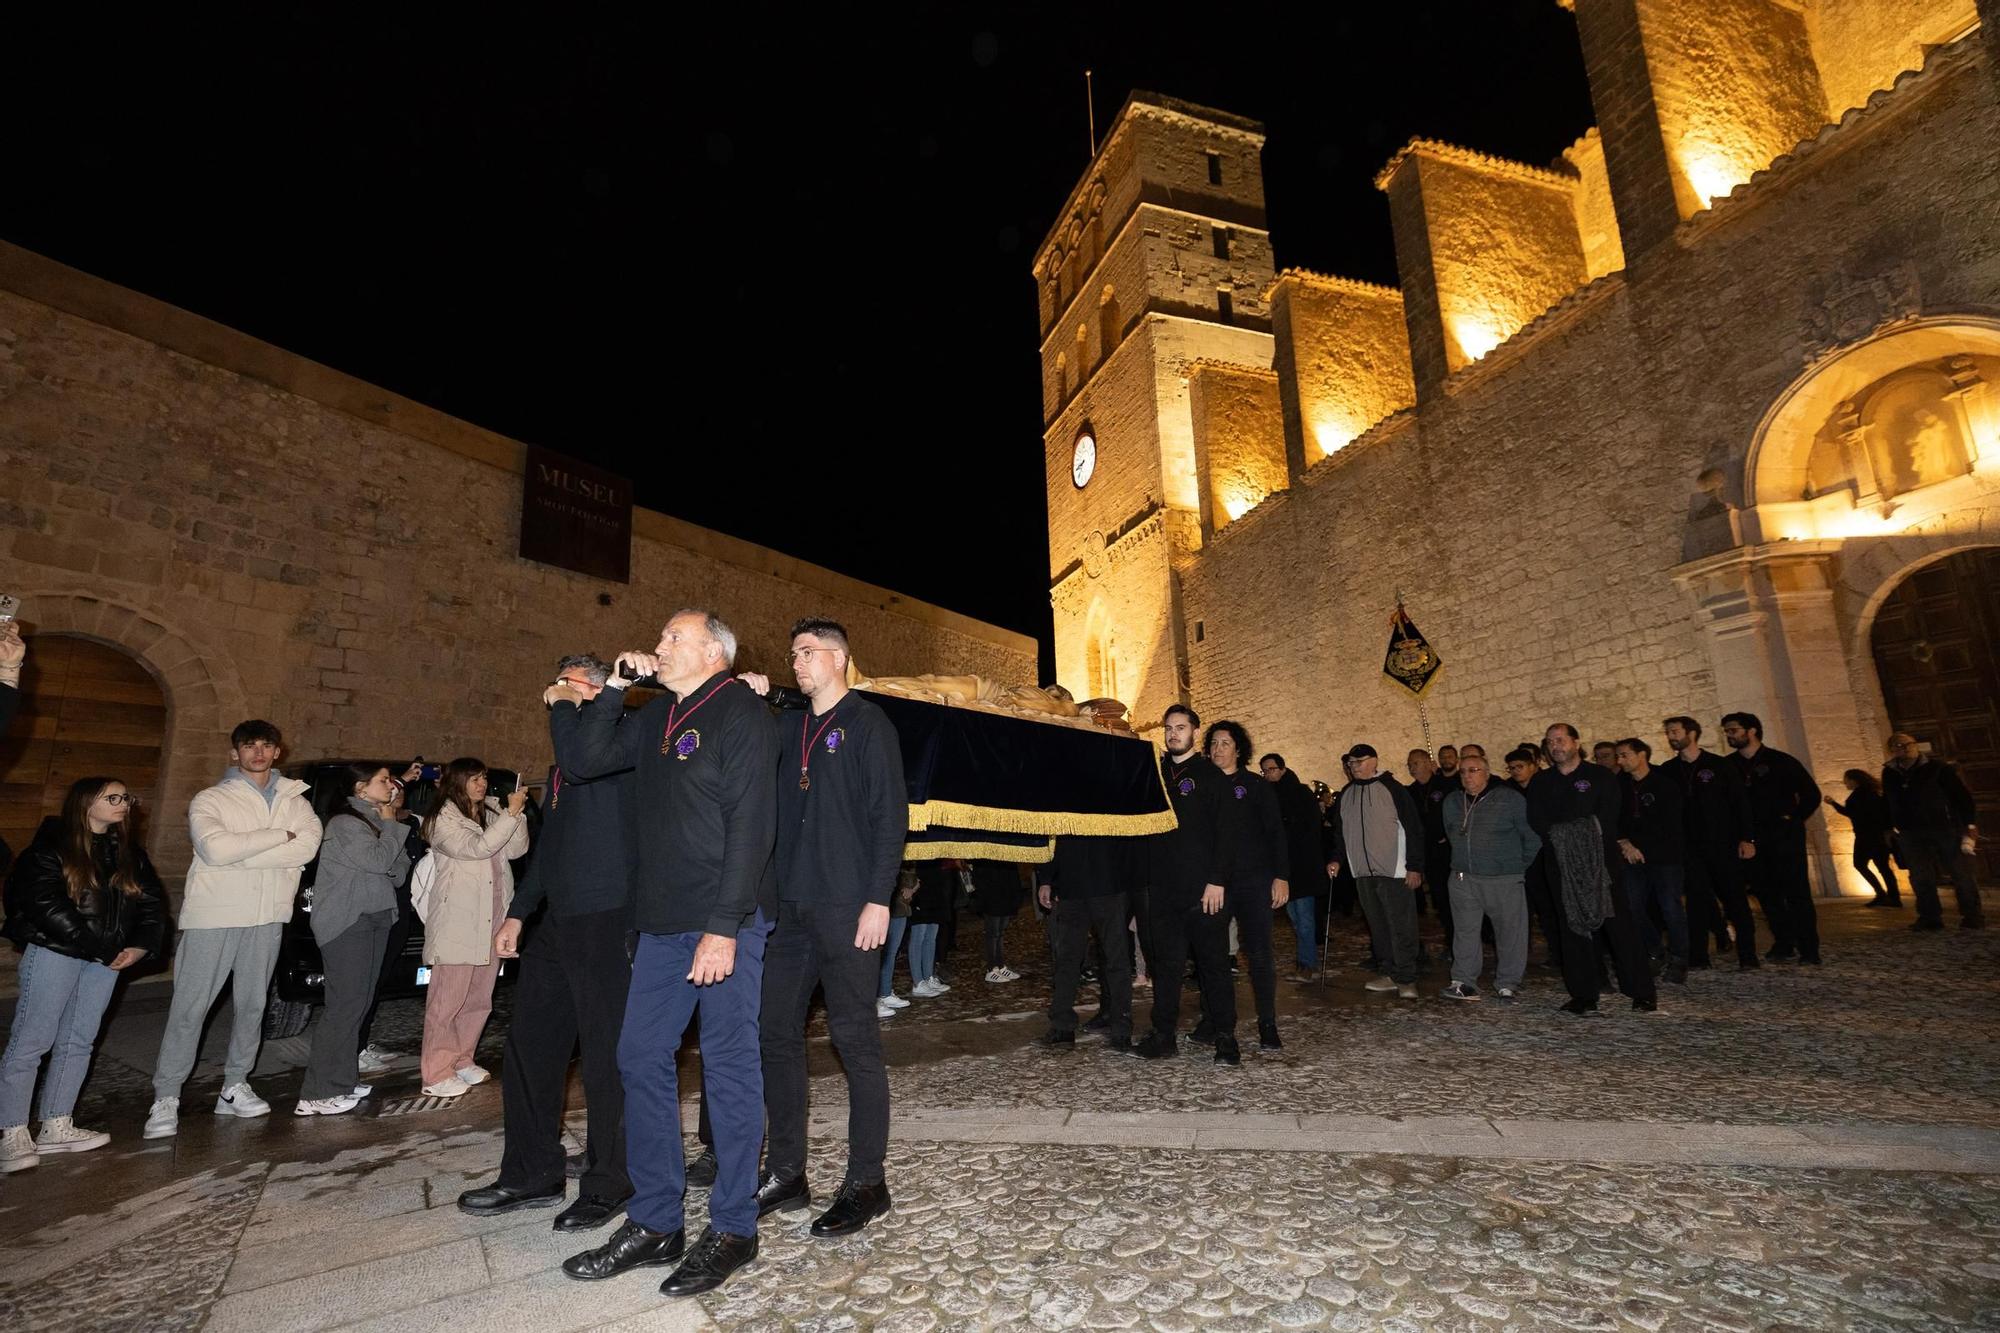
806, 744
674, 718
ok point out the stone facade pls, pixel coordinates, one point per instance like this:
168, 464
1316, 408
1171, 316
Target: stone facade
273, 539
1653, 480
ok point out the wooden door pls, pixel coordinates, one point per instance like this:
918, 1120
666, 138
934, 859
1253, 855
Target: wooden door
1937, 650
86, 710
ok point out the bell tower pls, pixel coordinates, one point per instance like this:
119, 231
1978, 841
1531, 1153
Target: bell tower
1159, 259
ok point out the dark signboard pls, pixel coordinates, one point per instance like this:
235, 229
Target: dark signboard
576, 516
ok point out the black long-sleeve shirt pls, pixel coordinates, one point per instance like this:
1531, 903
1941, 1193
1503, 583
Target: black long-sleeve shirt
1652, 817
1199, 851
1307, 859
1782, 794
1717, 807
1257, 839
1556, 797
840, 838
1089, 867
583, 860
705, 804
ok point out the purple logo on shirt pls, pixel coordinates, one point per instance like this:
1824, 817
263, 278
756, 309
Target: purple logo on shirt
1762, 770
1645, 798
1582, 784
1186, 786
686, 744
834, 740
1704, 775
1241, 791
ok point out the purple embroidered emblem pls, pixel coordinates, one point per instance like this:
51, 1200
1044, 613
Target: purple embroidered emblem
1187, 786
1241, 791
834, 739
686, 744
1582, 784
1705, 775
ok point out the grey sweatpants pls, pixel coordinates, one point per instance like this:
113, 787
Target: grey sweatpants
203, 961
1503, 898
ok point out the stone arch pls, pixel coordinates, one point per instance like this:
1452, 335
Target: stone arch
1109, 324
204, 697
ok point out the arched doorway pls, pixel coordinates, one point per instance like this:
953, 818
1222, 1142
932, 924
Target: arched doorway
86, 708
1936, 642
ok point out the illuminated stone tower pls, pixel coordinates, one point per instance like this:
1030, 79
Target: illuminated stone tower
1159, 263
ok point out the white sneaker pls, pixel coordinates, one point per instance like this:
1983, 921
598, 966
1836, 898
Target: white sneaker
238, 1099
326, 1105
473, 1075
883, 1009
1010, 974
363, 1089
17, 1150
1380, 984
451, 1087
375, 1060
163, 1121
996, 975
938, 987
60, 1135
894, 1001
923, 990
1406, 992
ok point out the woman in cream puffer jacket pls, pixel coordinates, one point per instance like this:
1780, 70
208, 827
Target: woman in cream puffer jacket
472, 840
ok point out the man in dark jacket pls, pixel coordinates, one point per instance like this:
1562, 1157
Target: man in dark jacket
1085, 888
1720, 845
1429, 785
1379, 835
1581, 863
1783, 797
574, 978
843, 815
1652, 837
704, 898
1187, 867
1937, 824
1306, 857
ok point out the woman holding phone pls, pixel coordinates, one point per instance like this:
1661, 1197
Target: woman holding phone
84, 904
361, 857
472, 840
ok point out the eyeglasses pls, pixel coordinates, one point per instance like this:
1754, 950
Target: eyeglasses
805, 654
120, 798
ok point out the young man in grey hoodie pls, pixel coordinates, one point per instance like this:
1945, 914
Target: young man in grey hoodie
1379, 836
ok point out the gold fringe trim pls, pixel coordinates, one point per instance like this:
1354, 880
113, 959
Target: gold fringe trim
981, 851
995, 819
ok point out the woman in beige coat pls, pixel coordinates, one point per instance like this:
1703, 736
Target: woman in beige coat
472, 839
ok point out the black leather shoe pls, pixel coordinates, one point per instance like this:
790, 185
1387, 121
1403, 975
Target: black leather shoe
1226, 1051
505, 1199
852, 1209
588, 1213
1267, 1037
1154, 1047
1203, 1034
630, 1247
1057, 1039
575, 1165
1646, 1006
1778, 955
1097, 1022
781, 1196
1119, 1041
714, 1257
1923, 924
1579, 1007
701, 1171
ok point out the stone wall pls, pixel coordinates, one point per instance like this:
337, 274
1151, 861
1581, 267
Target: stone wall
1862, 45
1342, 353
1239, 439
267, 554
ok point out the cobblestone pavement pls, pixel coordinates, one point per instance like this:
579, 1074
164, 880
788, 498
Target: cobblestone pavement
1011, 1212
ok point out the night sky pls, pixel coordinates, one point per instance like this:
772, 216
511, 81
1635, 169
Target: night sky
775, 268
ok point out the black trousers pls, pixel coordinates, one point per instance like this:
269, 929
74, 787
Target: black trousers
1715, 874
1437, 877
813, 946
575, 972
1072, 924
1541, 901
1173, 933
1783, 889
399, 935
1251, 910
1580, 965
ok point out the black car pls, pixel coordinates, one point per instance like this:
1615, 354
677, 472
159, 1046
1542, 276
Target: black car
299, 981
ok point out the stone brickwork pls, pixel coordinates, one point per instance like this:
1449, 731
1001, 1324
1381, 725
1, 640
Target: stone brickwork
354, 580
1862, 45
1342, 353
1239, 439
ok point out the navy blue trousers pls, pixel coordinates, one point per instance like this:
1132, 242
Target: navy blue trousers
658, 1010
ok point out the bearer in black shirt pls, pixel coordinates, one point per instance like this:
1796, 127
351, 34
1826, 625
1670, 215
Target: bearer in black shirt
1783, 796
843, 813
1720, 846
1652, 836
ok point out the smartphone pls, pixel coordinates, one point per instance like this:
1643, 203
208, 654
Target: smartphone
10, 606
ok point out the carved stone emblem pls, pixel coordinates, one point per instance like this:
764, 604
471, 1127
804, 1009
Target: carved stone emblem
1850, 308
1093, 554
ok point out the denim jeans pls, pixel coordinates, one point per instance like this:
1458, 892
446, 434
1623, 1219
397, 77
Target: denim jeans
61, 1007
897, 925
923, 951
1305, 924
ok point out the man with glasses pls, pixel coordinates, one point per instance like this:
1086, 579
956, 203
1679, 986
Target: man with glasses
843, 813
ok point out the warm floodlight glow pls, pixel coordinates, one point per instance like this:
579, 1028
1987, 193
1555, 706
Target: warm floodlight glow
1475, 337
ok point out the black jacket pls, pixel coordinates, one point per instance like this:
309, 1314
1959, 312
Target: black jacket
1652, 818
1260, 853
1928, 795
840, 838
1198, 852
1089, 867
706, 807
40, 910
1407, 814
1717, 807
1869, 812
1307, 859
1782, 794
583, 861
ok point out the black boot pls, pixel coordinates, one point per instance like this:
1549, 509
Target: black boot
576, 1164
701, 1171
714, 1257
588, 1213
852, 1209
630, 1247
1154, 1047
505, 1199
1097, 1022
1226, 1051
1267, 1037
1057, 1039
782, 1196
